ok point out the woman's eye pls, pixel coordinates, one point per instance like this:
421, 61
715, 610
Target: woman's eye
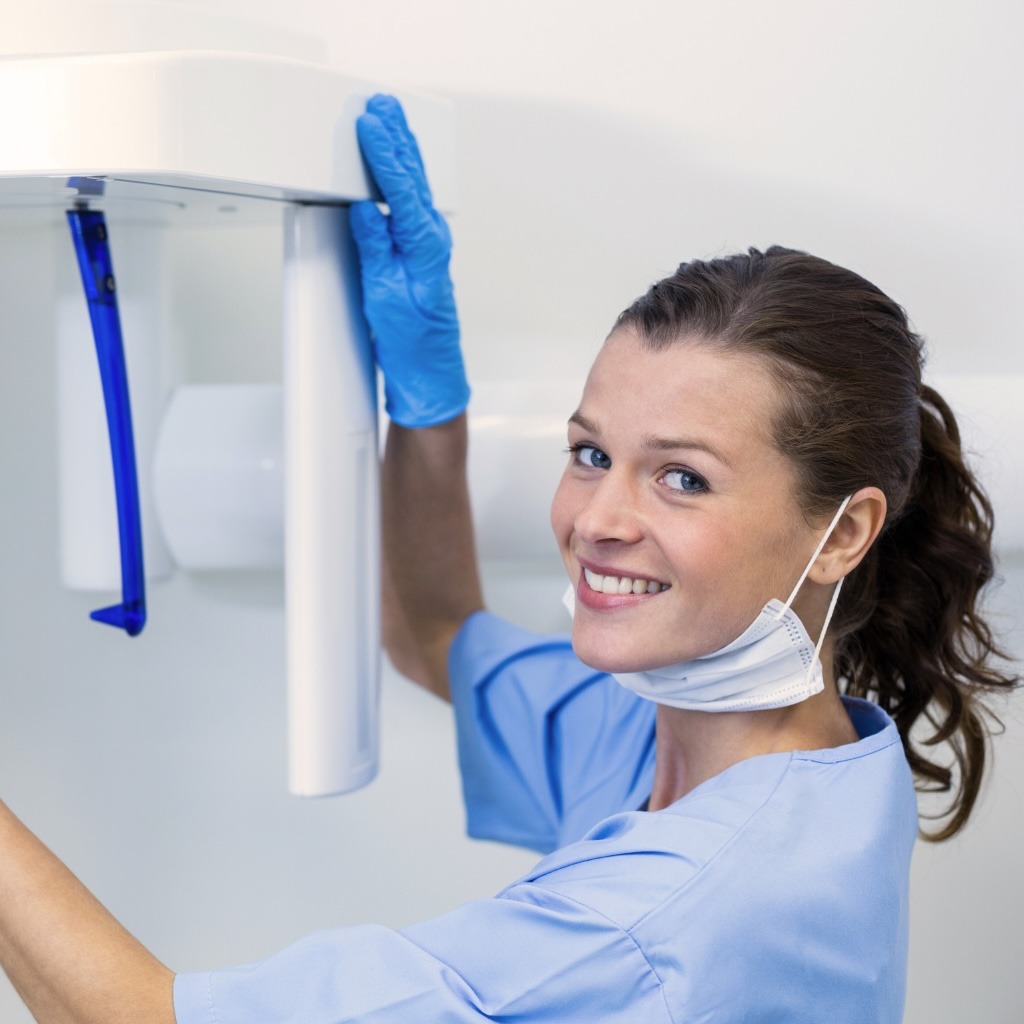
685, 481
586, 455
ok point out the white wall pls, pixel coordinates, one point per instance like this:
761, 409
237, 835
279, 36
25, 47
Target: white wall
600, 144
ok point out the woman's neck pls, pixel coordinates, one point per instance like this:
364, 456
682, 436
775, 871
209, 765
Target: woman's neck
693, 746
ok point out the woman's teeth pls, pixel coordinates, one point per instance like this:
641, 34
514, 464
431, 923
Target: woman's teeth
621, 584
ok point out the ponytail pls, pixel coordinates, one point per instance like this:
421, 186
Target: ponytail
909, 626
924, 652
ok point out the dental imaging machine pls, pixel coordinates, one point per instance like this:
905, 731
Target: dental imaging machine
117, 149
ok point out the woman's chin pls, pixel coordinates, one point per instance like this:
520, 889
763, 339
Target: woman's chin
602, 658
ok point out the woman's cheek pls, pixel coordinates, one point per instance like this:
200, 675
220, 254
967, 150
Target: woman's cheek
562, 512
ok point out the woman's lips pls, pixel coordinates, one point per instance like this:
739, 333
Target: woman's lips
599, 600
606, 581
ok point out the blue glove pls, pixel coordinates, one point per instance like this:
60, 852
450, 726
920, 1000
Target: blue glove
407, 291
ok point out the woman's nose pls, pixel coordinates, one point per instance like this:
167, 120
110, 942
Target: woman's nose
609, 512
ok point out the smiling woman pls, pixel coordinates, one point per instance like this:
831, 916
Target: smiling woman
675, 478
848, 411
726, 820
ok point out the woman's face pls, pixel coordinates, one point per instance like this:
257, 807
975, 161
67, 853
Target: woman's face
674, 485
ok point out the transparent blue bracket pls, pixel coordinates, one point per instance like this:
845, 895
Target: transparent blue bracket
89, 232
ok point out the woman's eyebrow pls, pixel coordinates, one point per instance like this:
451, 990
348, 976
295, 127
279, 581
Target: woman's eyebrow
581, 421
660, 444
667, 444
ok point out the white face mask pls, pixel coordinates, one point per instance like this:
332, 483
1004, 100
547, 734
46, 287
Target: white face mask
773, 663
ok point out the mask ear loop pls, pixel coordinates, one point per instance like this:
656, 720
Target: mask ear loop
824, 630
835, 593
814, 557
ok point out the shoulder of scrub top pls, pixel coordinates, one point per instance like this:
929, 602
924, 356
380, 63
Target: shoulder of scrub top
765, 825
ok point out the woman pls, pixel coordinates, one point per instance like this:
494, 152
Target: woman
731, 835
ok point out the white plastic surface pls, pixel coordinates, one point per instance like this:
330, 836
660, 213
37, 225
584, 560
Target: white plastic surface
218, 477
517, 446
230, 123
332, 546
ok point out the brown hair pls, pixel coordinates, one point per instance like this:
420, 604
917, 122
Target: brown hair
908, 626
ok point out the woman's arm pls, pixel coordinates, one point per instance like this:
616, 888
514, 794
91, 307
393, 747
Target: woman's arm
430, 580
69, 960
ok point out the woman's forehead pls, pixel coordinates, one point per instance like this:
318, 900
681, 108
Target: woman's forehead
681, 388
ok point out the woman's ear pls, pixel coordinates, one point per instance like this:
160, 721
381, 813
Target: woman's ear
855, 532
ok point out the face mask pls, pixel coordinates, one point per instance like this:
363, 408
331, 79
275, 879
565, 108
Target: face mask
772, 664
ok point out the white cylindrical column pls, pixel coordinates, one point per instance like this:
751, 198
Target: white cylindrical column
89, 550
332, 557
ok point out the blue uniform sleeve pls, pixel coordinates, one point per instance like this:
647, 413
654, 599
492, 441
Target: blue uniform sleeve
531, 956
547, 746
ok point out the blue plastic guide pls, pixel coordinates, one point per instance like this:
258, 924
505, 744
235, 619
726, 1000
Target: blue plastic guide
89, 232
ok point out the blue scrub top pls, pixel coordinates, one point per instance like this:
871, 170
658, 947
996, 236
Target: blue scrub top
775, 891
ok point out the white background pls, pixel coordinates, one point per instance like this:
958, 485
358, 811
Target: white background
600, 143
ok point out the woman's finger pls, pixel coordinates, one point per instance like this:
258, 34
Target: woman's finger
391, 115
397, 185
373, 239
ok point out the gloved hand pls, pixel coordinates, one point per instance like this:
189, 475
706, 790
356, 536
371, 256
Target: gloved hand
407, 291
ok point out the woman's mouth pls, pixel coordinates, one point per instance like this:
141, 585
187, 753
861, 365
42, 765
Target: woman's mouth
601, 583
